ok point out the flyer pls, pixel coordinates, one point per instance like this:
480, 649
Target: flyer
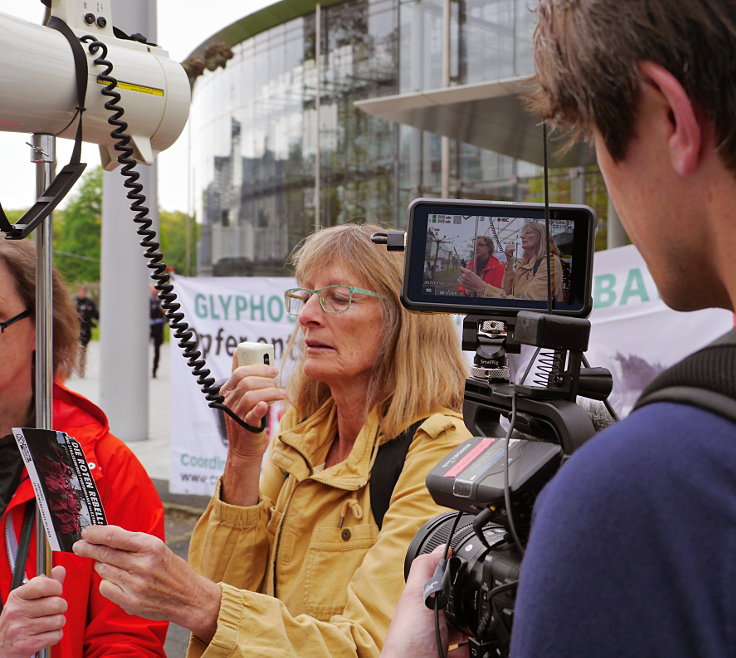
66, 492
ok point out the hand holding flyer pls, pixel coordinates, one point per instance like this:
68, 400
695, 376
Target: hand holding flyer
65, 489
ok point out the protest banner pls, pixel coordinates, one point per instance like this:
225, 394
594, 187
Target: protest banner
222, 312
633, 334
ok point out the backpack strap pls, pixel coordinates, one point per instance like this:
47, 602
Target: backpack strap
387, 469
705, 379
537, 263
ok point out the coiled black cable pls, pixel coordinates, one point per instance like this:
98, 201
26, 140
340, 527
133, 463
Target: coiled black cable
156, 265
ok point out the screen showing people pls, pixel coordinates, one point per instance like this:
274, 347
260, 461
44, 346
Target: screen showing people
501, 257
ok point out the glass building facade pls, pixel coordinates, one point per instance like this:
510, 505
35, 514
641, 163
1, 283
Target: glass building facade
278, 147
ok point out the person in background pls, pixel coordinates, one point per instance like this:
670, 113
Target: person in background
65, 611
88, 316
482, 271
526, 278
299, 564
157, 320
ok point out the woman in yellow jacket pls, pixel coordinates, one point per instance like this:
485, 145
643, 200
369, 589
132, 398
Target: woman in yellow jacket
527, 277
298, 566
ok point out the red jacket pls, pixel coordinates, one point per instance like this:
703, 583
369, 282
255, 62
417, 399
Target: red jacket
95, 627
492, 273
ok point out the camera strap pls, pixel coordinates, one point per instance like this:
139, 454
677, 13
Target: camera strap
705, 379
387, 469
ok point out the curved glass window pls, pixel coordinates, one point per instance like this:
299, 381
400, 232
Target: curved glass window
278, 146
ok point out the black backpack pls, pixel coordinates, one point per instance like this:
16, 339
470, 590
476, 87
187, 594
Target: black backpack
386, 470
705, 379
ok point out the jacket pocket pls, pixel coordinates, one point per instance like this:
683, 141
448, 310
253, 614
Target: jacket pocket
333, 556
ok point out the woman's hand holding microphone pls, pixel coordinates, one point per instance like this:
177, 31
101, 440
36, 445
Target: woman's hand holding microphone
248, 393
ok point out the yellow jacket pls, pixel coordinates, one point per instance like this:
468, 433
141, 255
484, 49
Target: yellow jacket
527, 283
312, 542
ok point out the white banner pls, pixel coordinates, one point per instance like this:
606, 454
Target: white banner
222, 311
633, 334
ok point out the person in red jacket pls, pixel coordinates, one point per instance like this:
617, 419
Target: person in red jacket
482, 271
65, 612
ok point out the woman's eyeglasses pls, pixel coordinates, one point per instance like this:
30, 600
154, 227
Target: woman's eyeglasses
332, 299
20, 316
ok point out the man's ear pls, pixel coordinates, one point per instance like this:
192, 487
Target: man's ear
685, 133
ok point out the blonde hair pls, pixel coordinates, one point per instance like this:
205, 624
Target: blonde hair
542, 242
420, 369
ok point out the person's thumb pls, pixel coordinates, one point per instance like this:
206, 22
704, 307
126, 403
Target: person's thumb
59, 574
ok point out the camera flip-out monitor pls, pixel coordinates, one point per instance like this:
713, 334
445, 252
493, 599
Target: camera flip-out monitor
441, 245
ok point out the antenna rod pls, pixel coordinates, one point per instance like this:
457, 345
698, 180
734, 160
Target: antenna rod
547, 227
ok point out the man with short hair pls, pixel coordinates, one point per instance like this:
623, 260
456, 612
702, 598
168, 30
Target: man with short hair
631, 551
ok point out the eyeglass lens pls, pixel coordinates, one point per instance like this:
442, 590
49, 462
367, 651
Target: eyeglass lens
333, 299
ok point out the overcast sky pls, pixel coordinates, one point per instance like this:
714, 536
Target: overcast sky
182, 26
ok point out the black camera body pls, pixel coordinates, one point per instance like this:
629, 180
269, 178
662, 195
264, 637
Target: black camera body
493, 479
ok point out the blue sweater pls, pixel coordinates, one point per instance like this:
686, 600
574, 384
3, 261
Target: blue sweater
633, 547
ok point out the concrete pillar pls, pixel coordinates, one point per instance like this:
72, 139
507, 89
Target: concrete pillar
616, 235
577, 185
124, 277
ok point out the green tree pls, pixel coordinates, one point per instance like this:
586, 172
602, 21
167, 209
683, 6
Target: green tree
14, 215
560, 191
173, 239
77, 234
77, 231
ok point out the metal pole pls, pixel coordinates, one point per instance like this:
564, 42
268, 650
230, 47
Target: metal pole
444, 140
416, 83
317, 105
43, 155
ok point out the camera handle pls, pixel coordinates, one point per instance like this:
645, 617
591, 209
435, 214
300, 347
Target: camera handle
558, 421
548, 412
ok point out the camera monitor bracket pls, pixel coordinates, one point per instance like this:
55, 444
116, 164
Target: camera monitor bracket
547, 411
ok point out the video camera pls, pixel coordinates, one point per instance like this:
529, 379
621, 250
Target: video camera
493, 478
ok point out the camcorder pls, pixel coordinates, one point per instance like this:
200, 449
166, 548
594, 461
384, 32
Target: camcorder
522, 432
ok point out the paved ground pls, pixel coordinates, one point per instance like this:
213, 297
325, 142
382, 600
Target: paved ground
182, 512
179, 525
153, 453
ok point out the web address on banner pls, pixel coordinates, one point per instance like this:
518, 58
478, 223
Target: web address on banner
198, 478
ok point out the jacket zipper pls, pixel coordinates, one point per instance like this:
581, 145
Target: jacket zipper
11, 548
291, 495
278, 536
